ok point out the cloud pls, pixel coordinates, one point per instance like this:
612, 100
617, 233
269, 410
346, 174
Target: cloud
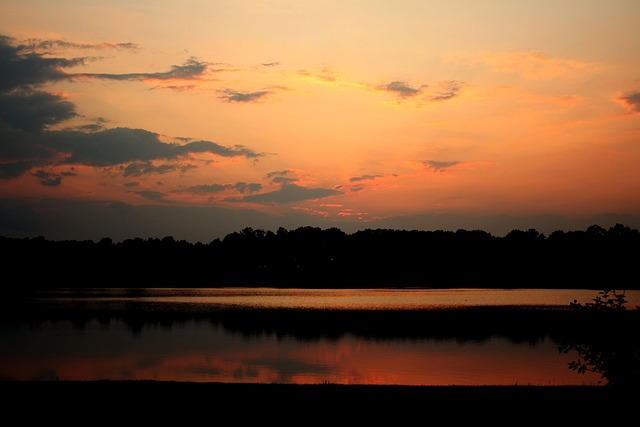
146, 168
27, 115
284, 172
281, 177
283, 180
632, 101
32, 111
220, 150
240, 187
439, 166
205, 189
15, 169
191, 69
324, 76
21, 69
48, 179
230, 95
36, 44
364, 178
446, 90
401, 89
288, 193
122, 145
535, 66
156, 196
243, 187
177, 88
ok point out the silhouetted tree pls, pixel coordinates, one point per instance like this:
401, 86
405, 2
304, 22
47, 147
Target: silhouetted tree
316, 258
608, 342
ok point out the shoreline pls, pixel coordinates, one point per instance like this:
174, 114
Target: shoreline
171, 399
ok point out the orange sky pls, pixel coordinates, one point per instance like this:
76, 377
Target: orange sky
199, 118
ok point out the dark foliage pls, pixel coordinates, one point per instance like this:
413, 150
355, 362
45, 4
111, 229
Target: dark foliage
607, 341
310, 257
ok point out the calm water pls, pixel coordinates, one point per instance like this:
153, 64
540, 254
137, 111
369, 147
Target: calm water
196, 350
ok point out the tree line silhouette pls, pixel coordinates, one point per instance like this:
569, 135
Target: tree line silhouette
311, 257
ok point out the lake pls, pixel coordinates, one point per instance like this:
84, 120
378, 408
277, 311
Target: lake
186, 334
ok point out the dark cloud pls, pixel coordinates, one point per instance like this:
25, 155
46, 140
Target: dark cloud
48, 179
364, 178
205, 189
91, 127
15, 169
270, 64
283, 180
438, 166
156, 196
632, 100
32, 111
20, 69
243, 187
448, 89
146, 168
279, 173
220, 150
39, 44
123, 145
20, 147
230, 95
288, 193
402, 89
240, 187
27, 114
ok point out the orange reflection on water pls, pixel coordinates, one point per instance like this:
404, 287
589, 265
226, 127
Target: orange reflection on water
210, 355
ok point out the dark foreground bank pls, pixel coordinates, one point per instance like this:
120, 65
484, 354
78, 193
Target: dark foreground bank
98, 402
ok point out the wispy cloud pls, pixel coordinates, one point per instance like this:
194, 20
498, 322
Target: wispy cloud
189, 70
156, 196
240, 187
288, 193
401, 89
148, 168
535, 65
230, 95
439, 166
364, 178
632, 101
446, 90
38, 44
323, 76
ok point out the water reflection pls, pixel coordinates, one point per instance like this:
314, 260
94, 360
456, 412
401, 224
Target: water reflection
340, 299
201, 351
377, 336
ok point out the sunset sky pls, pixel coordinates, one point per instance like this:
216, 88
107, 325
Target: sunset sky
198, 118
